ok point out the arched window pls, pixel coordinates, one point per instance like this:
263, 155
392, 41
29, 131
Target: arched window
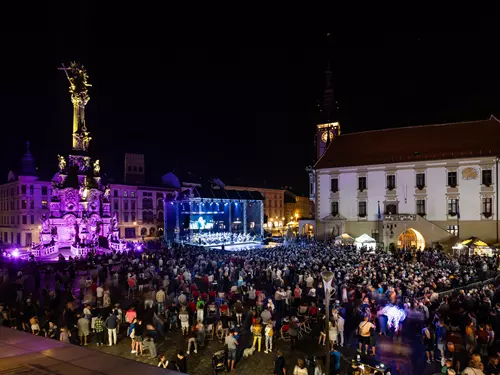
152, 231
144, 231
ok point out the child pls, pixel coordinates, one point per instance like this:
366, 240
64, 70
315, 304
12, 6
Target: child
163, 362
65, 335
269, 332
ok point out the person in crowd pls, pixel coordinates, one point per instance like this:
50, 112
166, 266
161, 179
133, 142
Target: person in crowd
231, 344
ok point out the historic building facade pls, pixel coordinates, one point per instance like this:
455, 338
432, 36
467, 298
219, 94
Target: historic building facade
274, 205
75, 206
411, 186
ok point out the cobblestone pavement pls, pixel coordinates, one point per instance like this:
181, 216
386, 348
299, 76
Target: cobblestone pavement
201, 363
408, 356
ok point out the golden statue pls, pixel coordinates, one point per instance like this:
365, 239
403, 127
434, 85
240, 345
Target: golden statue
78, 87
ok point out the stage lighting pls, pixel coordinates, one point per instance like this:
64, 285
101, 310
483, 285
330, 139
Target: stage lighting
15, 253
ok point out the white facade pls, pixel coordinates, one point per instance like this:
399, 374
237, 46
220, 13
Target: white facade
433, 205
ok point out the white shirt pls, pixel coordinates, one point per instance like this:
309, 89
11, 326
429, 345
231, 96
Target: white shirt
100, 291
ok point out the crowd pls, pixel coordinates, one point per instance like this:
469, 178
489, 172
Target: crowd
250, 299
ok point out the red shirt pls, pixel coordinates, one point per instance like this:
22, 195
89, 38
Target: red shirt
192, 306
313, 310
196, 294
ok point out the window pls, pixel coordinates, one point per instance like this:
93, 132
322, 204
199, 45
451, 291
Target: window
452, 207
44, 190
25, 219
334, 185
12, 220
24, 204
486, 174
129, 168
391, 209
32, 204
32, 219
361, 183
147, 217
18, 220
391, 182
421, 207
132, 194
125, 218
335, 208
133, 216
135, 168
487, 207
420, 180
452, 179
132, 205
125, 194
115, 193
32, 189
115, 205
362, 207
125, 205
140, 169
452, 229
23, 189
44, 205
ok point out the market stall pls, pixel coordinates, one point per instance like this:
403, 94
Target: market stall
344, 239
365, 241
472, 246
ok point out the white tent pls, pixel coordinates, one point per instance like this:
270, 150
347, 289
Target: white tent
365, 241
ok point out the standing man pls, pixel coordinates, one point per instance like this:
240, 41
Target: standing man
111, 323
160, 300
279, 364
231, 343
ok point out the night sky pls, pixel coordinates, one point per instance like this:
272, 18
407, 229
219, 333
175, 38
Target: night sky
233, 101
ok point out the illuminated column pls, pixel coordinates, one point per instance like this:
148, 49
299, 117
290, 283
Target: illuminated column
261, 203
245, 217
229, 209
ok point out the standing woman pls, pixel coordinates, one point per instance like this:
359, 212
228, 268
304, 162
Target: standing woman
300, 368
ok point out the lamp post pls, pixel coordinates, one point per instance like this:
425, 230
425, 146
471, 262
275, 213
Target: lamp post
327, 277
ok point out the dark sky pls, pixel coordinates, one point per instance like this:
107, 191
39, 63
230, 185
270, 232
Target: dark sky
234, 99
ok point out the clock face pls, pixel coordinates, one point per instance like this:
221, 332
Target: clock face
324, 136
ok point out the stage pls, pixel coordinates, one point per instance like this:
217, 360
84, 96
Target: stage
214, 216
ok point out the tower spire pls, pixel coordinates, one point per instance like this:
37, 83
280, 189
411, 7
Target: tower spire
329, 127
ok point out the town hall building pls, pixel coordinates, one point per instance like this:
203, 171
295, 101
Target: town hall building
413, 186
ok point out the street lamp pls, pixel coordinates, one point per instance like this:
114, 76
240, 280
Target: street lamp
327, 277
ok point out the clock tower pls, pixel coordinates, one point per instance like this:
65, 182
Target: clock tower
328, 129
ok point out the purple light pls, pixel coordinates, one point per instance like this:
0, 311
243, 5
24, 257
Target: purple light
15, 253
139, 247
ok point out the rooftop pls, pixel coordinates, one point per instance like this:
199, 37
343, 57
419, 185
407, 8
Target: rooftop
414, 143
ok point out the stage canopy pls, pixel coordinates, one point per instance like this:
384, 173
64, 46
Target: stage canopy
365, 241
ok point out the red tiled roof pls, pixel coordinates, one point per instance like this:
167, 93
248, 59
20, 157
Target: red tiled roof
415, 143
